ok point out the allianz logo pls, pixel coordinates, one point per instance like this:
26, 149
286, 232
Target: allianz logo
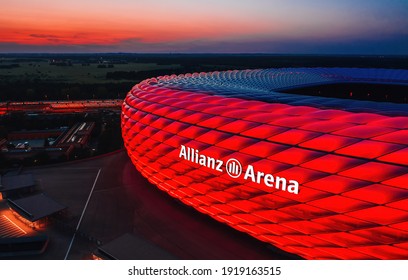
234, 169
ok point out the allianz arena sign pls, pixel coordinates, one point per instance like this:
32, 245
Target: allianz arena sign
233, 168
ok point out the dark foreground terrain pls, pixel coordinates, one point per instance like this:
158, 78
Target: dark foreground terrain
28, 77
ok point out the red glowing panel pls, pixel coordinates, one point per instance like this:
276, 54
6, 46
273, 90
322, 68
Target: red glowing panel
264, 131
340, 204
381, 214
327, 114
377, 193
263, 149
369, 149
293, 136
295, 156
399, 137
395, 122
374, 172
237, 126
325, 126
292, 121
400, 181
360, 118
328, 142
399, 157
336, 184
332, 163
364, 131
400, 204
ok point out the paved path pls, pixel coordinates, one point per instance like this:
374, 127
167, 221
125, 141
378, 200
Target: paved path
122, 201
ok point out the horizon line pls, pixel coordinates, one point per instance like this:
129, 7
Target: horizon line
203, 53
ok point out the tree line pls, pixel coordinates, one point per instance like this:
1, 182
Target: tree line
42, 90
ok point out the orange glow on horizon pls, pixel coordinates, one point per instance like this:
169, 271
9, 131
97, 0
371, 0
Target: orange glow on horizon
213, 25
67, 35
65, 27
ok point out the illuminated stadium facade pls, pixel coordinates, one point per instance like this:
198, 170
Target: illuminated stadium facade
320, 177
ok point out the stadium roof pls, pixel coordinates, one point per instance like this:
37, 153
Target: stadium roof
267, 85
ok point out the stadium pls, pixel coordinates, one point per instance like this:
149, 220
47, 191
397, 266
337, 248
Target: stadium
271, 153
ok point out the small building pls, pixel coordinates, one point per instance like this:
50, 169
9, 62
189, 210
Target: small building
78, 136
36, 210
131, 247
16, 238
43, 145
16, 185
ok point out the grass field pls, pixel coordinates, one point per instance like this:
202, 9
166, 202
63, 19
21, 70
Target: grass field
87, 74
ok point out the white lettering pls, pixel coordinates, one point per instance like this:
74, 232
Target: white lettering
255, 176
269, 180
183, 153
219, 164
259, 176
280, 180
293, 187
211, 162
250, 173
203, 160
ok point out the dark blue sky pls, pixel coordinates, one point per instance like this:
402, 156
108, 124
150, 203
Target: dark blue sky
279, 26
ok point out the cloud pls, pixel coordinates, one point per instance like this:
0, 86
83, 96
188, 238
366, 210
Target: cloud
43, 36
48, 38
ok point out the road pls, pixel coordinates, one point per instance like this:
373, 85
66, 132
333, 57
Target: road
123, 201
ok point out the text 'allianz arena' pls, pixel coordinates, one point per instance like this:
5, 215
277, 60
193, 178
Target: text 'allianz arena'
320, 177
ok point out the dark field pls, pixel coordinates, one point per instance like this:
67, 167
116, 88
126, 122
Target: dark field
29, 77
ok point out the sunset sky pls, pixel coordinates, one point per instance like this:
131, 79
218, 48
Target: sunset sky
207, 26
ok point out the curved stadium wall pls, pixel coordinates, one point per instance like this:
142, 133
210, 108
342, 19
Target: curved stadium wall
320, 177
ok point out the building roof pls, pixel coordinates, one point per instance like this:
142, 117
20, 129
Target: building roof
36, 207
131, 247
14, 182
